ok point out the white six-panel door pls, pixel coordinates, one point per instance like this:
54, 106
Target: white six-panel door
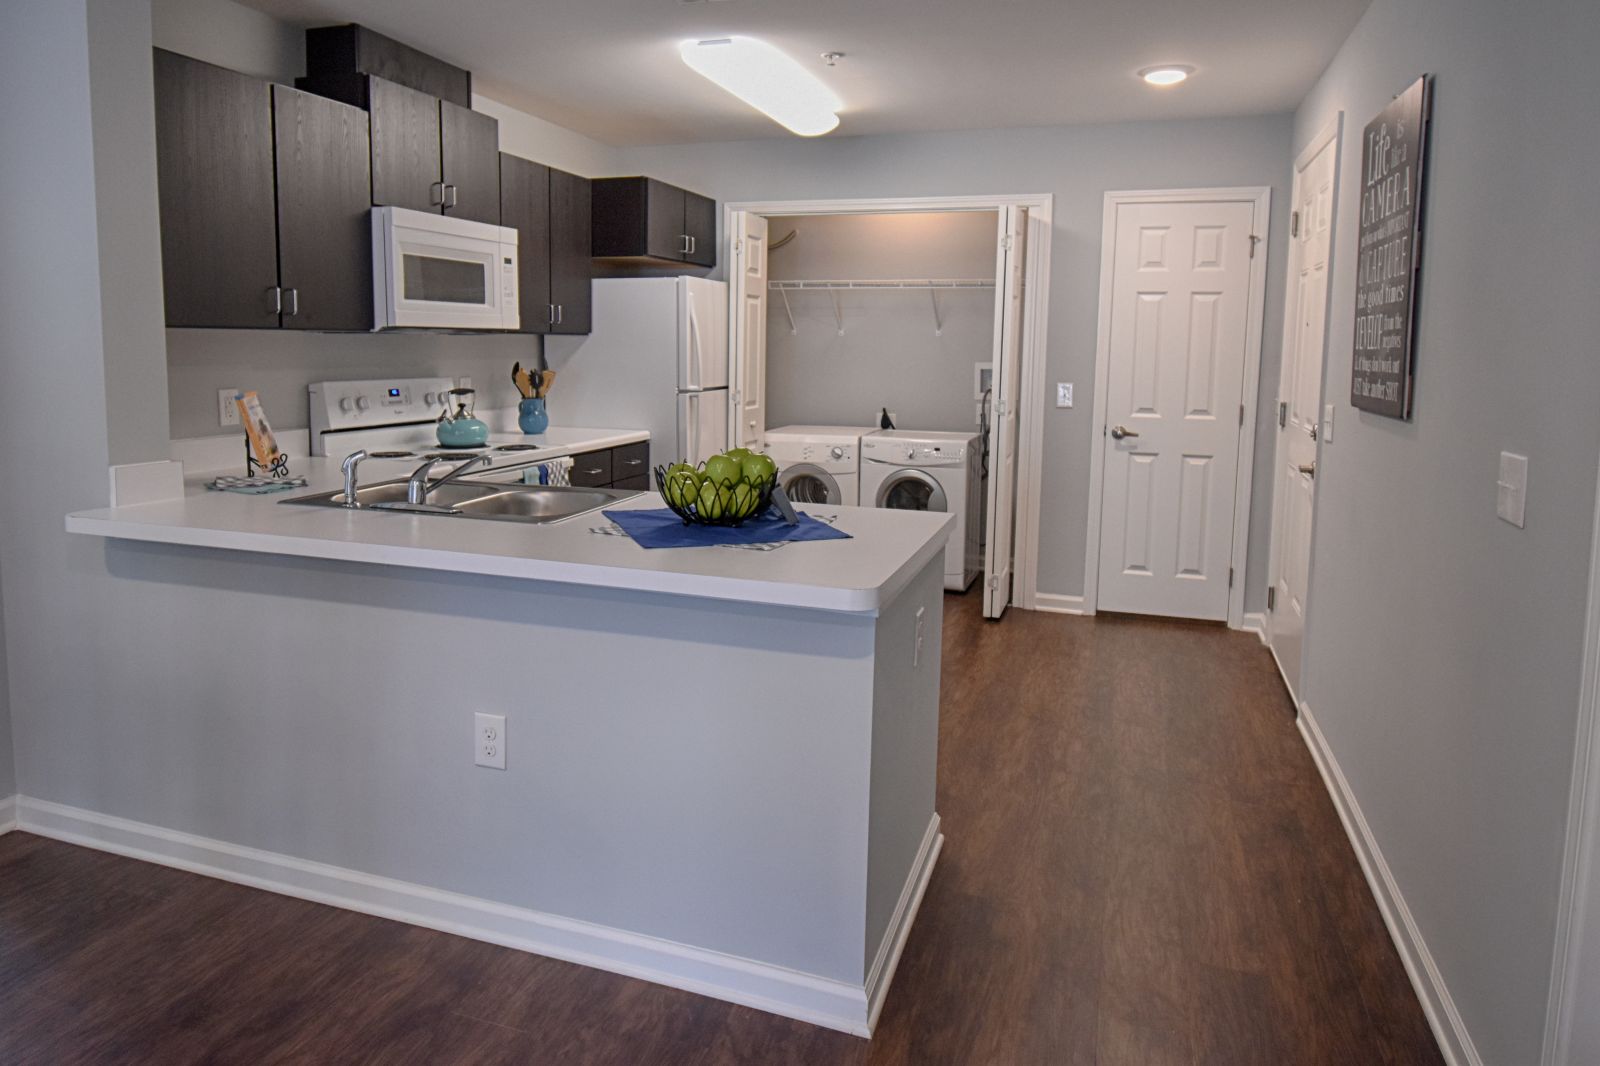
1002, 487
748, 297
1180, 302
1300, 404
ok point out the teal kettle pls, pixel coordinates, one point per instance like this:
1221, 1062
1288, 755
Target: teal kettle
458, 427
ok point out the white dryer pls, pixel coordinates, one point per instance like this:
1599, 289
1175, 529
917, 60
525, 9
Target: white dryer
928, 470
818, 464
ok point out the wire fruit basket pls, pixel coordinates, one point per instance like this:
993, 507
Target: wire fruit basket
699, 501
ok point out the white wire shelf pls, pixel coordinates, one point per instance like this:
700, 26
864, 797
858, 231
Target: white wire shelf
833, 286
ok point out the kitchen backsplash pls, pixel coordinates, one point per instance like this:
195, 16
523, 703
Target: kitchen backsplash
279, 364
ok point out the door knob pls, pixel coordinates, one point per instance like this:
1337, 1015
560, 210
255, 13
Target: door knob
1119, 432
1308, 469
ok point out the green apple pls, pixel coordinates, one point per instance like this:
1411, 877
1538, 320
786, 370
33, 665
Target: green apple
713, 501
737, 453
682, 487
758, 468
724, 470
744, 501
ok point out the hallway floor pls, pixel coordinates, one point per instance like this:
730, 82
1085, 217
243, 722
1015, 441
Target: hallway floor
1141, 867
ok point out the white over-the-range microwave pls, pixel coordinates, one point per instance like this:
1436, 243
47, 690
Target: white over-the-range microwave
436, 272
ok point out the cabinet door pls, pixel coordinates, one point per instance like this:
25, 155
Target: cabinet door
571, 266
665, 236
219, 253
405, 147
525, 207
471, 153
700, 225
324, 211
592, 469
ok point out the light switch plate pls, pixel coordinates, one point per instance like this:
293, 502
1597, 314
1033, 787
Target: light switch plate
1327, 424
1511, 491
1063, 394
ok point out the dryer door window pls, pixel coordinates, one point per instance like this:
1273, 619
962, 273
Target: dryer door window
912, 490
805, 483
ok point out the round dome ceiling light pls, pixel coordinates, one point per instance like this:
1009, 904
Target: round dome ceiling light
1165, 75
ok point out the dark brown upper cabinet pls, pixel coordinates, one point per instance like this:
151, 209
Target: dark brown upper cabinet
219, 255
550, 211
324, 211
264, 196
351, 49
427, 154
645, 219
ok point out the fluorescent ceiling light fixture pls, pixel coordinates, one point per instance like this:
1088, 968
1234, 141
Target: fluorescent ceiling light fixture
768, 80
1165, 75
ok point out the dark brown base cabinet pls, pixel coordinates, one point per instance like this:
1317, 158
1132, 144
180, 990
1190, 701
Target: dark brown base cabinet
625, 467
264, 195
549, 209
642, 218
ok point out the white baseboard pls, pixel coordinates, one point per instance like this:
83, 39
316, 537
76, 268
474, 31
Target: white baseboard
887, 960
1448, 1028
8, 814
1056, 603
1255, 622
806, 997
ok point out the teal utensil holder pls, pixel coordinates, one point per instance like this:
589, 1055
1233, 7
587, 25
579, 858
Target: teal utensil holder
532, 416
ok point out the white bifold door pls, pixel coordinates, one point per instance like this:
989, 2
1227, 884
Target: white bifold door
1299, 404
1002, 488
1180, 301
748, 306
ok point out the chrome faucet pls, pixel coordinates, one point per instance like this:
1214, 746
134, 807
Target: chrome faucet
349, 465
419, 487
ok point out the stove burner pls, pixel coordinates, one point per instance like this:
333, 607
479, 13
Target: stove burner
517, 448
391, 455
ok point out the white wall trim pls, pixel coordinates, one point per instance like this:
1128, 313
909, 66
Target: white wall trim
1260, 196
1448, 1029
887, 961
820, 1001
1058, 603
1255, 622
8, 814
1580, 864
1035, 337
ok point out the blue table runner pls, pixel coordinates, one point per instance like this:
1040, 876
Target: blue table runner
660, 528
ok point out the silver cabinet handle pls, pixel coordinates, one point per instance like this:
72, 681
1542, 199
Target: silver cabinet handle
436, 194
552, 313
694, 243
1119, 432
561, 313
294, 302
450, 196
633, 462
1309, 469
276, 292
687, 240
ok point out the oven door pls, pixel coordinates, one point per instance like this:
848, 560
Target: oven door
433, 272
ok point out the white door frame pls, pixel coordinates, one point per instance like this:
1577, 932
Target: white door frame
1580, 866
1261, 197
1332, 132
1035, 329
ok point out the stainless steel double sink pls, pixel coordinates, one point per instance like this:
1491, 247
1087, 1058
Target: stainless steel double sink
501, 503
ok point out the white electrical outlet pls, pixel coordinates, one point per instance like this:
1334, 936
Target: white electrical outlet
489, 741
922, 623
1511, 490
227, 409
1063, 394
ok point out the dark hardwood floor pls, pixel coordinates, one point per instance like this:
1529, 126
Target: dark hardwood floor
1141, 866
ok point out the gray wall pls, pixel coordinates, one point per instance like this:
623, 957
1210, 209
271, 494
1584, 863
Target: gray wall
1444, 644
279, 364
889, 355
8, 765
1078, 164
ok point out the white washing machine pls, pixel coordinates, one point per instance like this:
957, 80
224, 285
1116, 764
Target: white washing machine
926, 470
818, 464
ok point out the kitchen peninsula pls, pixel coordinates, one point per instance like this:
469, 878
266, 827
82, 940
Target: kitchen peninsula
719, 762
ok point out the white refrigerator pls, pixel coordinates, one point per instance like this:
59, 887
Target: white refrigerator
657, 359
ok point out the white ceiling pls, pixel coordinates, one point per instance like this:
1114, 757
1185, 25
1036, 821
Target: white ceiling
610, 68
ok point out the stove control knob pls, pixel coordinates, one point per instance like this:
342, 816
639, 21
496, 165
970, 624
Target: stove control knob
362, 403
837, 452
911, 453
430, 398
345, 404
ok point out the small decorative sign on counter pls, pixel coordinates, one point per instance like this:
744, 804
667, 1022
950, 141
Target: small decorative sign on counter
261, 453
1393, 150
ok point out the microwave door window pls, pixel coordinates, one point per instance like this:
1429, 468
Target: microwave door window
438, 280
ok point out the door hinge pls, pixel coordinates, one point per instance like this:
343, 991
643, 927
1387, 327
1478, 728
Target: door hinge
1283, 414
1294, 224
994, 583
1254, 240
738, 246
1005, 242
1230, 577
1272, 598
1241, 414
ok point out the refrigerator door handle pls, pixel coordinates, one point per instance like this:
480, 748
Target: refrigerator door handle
695, 371
696, 391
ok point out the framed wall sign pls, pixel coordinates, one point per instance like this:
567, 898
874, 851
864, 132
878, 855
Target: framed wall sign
1393, 151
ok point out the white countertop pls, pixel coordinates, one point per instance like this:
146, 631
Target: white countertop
887, 548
